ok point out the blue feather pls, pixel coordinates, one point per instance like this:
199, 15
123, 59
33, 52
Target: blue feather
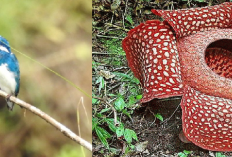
9, 71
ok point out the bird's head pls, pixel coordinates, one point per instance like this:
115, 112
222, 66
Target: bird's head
4, 45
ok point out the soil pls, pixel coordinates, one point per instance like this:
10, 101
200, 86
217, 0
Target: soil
163, 137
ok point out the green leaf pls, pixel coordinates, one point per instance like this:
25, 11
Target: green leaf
200, 1
119, 104
132, 100
127, 150
111, 95
129, 135
126, 113
132, 147
102, 135
129, 19
158, 115
139, 97
102, 83
187, 152
181, 154
134, 136
120, 131
110, 122
94, 100
219, 154
94, 123
105, 110
122, 75
99, 115
135, 80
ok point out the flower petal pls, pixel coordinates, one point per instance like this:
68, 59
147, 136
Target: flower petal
198, 68
152, 55
207, 120
189, 21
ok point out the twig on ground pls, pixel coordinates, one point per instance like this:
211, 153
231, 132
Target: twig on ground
117, 69
171, 115
118, 27
100, 53
123, 16
103, 36
112, 87
67, 132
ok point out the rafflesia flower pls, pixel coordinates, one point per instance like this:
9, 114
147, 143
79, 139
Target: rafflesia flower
189, 54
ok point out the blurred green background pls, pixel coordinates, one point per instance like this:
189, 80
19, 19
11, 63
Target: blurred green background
56, 33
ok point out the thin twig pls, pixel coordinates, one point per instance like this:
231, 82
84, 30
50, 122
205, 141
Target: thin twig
118, 27
100, 53
67, 132
103, 36
104, 53
112, 87
123, 22
171, 115
112, 18
116, 69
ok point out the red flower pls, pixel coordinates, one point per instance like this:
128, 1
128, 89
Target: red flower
189, 54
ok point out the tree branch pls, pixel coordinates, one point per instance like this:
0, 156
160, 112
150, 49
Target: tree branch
67, 132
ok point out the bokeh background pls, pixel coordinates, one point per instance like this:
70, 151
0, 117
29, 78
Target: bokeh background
56, 33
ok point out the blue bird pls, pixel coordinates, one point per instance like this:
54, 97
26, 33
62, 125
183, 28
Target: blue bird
9, 72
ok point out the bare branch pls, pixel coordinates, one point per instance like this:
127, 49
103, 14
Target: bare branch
67, 132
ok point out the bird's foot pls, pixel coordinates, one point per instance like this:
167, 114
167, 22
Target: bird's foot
8, 96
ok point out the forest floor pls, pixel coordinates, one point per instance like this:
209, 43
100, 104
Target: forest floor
158, 123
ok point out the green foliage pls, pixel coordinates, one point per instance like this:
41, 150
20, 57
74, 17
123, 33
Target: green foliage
94, 101
103, 135
185, 153
129, 135
114, 46
129, 19
110, 122
123, 98
119, 104
120, 131
200, 1
219, 154
159, 116
101, 82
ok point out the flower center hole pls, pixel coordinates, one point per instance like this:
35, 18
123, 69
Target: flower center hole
218, 57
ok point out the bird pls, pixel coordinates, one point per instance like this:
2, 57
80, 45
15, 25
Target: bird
9, 72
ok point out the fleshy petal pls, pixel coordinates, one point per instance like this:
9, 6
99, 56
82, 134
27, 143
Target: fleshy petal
189, 21
207, 120
202, 72
152, 55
